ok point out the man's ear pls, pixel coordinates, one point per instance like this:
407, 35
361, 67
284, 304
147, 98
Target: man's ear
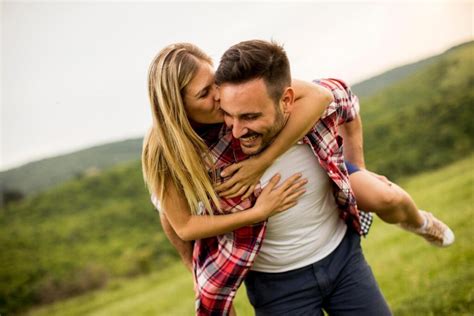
288, 99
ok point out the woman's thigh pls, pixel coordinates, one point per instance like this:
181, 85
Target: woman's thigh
373, 194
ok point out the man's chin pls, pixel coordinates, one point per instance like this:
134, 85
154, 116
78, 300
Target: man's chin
252, 148
249, 151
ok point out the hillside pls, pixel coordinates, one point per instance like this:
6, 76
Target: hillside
416, 278
375, 84
40, 175
424, 121
77, 237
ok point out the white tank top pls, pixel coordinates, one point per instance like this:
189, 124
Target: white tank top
312, 229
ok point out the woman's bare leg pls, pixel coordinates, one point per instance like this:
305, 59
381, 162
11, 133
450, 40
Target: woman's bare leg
394, 205
390, 202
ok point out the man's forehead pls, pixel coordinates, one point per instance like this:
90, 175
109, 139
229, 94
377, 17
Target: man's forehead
243, 88
238, 107
247, 97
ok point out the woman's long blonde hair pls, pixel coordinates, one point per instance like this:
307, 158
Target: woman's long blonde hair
172, 150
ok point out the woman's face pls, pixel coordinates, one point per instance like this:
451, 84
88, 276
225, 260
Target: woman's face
200, 98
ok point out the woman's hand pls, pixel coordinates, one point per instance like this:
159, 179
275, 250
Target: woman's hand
275, 199
384, 179
245, 177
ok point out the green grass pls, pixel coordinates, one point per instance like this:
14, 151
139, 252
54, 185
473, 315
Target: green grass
168, 292
422, 280
78, 237
416, 278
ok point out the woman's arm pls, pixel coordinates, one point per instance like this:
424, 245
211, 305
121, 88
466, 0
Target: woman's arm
184, 247
310, 102
351, 133
273, 199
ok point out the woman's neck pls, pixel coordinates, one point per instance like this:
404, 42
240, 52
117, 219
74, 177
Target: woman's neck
208, 132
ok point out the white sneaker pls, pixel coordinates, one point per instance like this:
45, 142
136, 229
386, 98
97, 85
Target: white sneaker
434, 231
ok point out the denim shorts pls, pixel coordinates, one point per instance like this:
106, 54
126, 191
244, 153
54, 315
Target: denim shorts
350, 167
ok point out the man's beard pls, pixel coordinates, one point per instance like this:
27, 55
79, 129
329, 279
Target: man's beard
272, 133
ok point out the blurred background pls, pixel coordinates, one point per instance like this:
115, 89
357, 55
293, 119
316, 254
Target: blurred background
78, 234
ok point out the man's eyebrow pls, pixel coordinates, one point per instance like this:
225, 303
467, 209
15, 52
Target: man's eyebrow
242, 115
251, 114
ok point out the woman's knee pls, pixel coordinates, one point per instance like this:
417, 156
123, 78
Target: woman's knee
388, 200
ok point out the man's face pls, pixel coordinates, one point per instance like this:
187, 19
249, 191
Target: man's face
252, 114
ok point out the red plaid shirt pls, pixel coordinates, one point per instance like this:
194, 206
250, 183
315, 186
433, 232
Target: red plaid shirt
222, 262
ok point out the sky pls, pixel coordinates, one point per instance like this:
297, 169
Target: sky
73, 74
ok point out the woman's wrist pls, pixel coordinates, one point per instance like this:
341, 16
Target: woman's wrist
266, 159
258, 214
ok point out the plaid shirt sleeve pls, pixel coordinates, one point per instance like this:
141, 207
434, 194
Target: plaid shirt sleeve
327, 145
346, 104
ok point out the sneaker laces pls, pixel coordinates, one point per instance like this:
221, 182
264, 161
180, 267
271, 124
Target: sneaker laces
434, 231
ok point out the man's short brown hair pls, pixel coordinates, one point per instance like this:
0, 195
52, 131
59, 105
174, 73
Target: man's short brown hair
256, 59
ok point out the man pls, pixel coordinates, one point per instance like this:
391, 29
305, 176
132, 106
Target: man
310, 258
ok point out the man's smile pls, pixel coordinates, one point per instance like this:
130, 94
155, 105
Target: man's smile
249, 140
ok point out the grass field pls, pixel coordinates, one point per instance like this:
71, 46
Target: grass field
416, 278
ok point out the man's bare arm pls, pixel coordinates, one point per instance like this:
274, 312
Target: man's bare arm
184, 248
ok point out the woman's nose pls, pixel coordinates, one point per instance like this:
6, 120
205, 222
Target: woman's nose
215, 89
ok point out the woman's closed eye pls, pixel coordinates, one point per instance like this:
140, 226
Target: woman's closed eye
204, 93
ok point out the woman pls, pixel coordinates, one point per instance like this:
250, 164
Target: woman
175, 160
175, 157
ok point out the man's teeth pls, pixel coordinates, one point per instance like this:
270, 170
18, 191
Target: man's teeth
249, 139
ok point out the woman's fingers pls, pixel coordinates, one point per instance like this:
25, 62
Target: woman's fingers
380, 177
230, 170
226, 186
274, 199
240, 192
249, 192
295, 195
231, 191
289, 182
287, 206
231, 188
291, 200
296, 185
272, 183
